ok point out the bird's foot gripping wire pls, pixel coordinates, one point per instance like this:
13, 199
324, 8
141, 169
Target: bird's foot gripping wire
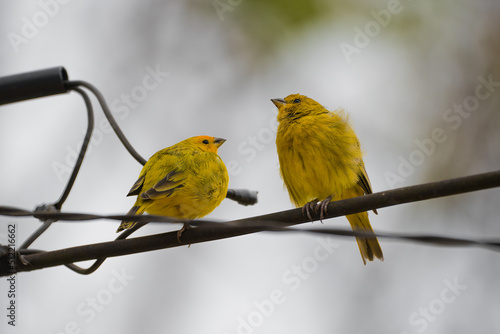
179, 233
323, 208
308, 207
314, 205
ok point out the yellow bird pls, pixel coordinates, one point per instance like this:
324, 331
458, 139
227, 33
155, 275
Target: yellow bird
321, 160
187, 180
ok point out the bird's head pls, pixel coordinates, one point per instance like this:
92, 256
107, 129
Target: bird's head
206, 143
295, 106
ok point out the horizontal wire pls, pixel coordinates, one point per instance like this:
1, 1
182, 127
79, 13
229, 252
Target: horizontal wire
279, 221
430, 239
335, 209
31, 260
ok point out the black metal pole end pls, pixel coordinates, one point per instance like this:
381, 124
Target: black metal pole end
30, 85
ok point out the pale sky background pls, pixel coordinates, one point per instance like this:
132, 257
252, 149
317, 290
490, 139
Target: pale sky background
220, 68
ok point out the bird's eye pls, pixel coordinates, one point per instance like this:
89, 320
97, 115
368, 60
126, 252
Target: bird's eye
205, 141
296, 101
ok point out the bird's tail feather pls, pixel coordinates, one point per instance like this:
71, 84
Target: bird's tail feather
369, 247
125, 225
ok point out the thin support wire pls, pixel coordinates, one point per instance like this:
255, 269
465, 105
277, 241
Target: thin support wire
109, 116
98, 262
83, 150
56, 207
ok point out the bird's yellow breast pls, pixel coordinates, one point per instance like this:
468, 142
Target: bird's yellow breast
319, 156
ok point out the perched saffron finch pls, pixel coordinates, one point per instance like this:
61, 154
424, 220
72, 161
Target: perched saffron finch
187, 180
321, 160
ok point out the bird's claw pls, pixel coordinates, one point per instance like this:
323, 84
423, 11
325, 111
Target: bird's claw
323, 208
179, 233
316, 206
306, 209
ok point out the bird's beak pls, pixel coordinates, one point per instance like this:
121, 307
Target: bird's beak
219, 141
278, 102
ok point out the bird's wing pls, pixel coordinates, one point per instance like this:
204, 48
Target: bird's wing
364, 182
363, 179
136, 188
166, 186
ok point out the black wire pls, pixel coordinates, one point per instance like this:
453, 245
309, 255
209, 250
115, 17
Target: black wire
98, 262
38, 232
56, 207
109, 116
435, 240
335, 209
73, 85
42, 260
279, 220
83, 150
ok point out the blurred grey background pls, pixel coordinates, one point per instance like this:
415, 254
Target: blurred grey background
420, 80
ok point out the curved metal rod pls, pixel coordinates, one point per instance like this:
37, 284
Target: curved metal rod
56, 207
109, 116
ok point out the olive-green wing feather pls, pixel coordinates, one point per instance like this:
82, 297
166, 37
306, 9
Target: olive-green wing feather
165, 187
363, 179
136, 188
364, 182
